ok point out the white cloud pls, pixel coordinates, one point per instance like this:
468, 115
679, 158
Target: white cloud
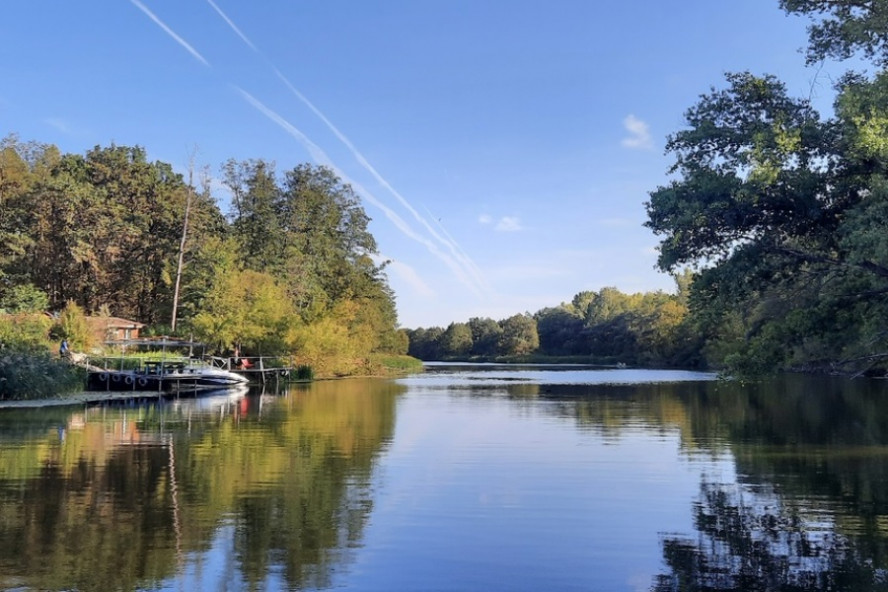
639, 134
508, 224
484, 219
59, 124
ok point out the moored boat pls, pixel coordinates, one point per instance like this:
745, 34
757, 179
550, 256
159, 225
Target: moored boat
164, 376
170, 373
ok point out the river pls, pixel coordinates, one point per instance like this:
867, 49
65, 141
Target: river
464, 477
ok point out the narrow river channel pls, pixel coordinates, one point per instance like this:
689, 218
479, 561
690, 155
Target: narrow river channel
463, 478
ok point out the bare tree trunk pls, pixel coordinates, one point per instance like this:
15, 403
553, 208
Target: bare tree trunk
182, 244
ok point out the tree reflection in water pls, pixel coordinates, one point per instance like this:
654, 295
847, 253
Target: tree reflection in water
138, 497
748, 539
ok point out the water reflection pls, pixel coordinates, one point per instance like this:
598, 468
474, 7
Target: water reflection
126, 498
484, 482
809, 509
806, 507
752, 538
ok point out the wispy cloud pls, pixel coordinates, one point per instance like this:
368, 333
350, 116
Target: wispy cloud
59, 124
455, 250
504, 224
508, 224
170, 32
454, 258
639, 134
316, 152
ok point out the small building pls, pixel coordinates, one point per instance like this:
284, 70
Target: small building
104, 329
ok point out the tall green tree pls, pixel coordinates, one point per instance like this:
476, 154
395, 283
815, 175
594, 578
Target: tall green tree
782, 213
485, 336
561, 331
456, 340
256, 211
326, 240
519, 336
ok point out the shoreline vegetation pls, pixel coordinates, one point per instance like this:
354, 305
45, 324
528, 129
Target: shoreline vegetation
38, 378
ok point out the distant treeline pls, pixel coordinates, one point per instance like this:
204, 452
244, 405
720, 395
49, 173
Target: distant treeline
290, 269
606, 326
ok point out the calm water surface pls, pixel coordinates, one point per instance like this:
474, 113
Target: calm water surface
463, 478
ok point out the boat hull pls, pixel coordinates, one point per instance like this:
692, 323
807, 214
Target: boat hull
140, 380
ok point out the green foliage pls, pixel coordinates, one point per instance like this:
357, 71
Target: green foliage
34, 374
72, 326
844, 27
607, 326
486, 334
784, 214
456, 342
519, 336
24, 298
395, 365
246, 309
25, 332
561, 331
304, 372
425, 343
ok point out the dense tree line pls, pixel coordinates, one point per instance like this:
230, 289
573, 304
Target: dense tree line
289, 268
607, 326
783, 213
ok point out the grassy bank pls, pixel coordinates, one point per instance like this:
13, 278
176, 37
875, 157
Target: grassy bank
394, 365
383, 365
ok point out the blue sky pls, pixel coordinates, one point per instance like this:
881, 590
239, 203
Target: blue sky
503, 148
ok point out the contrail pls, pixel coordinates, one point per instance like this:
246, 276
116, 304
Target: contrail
316, 151
454, 248
170, 32
464, 257
321, 157
233, 26
458, 253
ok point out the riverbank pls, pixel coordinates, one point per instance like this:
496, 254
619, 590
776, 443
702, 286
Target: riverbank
83, 398
42, 381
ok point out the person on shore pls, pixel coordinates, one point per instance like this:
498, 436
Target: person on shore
63, 349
